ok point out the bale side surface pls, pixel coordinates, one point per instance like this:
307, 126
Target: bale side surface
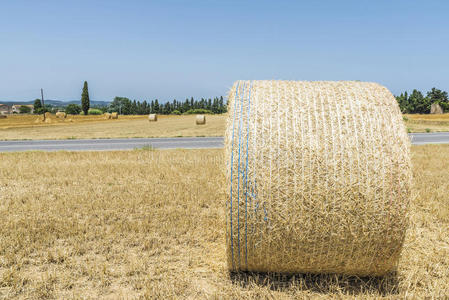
61, 115
318, 178
114, 115
106, 116
152, 118
200, 119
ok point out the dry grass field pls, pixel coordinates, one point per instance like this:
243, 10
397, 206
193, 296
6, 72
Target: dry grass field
150, 224
427, 123
17, 127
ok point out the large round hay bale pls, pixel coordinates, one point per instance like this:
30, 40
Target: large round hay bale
200, 119
318, 177
114, 115
152, 118
3, 116
61, 115
47, 114
107, 116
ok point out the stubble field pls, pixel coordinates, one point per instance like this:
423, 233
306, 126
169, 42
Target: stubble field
150, 224
17, 127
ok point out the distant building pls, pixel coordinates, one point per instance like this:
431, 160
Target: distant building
16, 108
4, 109
435, 108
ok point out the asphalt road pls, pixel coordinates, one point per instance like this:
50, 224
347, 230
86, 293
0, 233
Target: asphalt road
160, 143
429, 138
112, 144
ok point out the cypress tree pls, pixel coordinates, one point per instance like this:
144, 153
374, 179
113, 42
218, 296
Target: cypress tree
85, 102
156, 106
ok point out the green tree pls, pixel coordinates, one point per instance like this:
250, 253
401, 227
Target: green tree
418, 103
85, 101
122, 105
156, 106
25, 109
73, 109
37, 106
440, 97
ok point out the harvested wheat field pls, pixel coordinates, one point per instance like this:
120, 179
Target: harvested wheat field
18, 127
427, 123
151, 224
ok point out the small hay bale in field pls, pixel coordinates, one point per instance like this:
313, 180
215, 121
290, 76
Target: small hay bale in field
435, 108
3, 116
200, 119
318, 178
114, 115
107, 116
47, 115
61, 115
152, 118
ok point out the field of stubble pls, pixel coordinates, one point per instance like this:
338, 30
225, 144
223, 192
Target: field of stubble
23, 127
17, 127
150, 224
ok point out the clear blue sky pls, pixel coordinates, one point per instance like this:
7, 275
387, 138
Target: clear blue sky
174, 49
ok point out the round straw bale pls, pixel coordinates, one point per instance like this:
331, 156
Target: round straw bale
3, 116
152, 118
61, 115
107, 116
200, 119
114, 115
318, 178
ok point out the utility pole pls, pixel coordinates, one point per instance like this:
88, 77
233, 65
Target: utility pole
43, 104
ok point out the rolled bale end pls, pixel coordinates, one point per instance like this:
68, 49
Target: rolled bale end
3, 116
107, 116
318, 178
114, 115
47, 114
61, 115
152, 118
200, 119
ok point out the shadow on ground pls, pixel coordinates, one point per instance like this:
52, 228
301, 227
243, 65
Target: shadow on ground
319, 283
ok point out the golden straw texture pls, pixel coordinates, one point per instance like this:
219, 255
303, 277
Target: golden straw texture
61, 115
152, 117
114, 115
318, 177
200, 119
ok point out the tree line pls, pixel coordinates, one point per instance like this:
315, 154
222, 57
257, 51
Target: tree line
125, 106
417, 103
